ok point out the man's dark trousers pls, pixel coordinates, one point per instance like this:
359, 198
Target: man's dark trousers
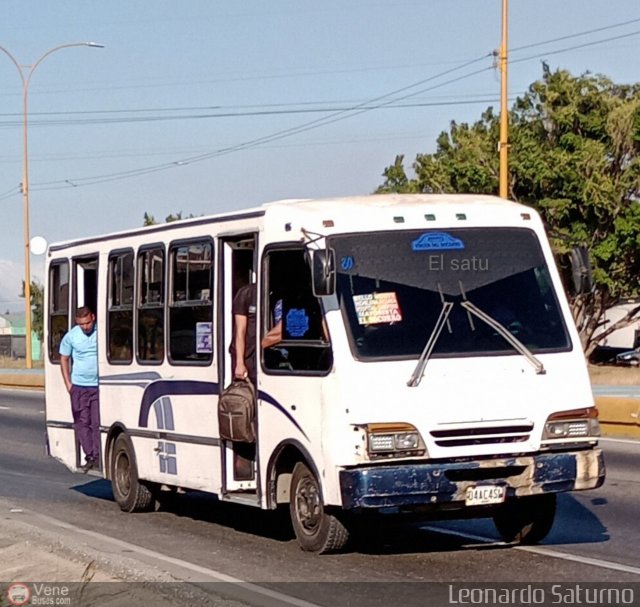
85, 406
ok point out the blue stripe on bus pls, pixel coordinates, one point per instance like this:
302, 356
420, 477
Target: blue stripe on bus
160, 388
163, 387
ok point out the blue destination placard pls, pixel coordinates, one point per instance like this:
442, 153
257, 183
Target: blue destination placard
436, 241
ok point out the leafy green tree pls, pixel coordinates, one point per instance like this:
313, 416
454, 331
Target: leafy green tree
575, 157
37, 308
150, 220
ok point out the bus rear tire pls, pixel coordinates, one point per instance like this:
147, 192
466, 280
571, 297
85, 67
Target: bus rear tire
315, 529
130, 494
526, 520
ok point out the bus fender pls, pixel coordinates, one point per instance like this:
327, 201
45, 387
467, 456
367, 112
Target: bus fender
280, 467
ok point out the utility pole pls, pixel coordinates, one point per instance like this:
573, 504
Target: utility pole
503, 146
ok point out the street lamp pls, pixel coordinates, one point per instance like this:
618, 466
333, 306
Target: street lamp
26, 71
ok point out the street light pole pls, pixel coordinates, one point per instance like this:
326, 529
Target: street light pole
504, 111
26, 71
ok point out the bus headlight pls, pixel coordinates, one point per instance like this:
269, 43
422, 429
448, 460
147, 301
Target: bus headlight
394, 440
577, 423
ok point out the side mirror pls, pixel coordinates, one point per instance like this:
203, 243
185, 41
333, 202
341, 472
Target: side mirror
581, 270
323, 270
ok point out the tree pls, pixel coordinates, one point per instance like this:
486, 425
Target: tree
150, 220
37, 308
575, 157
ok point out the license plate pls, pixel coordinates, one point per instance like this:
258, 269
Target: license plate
481, 495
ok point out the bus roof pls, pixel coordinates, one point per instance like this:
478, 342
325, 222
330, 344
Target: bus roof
345, 206
395, 200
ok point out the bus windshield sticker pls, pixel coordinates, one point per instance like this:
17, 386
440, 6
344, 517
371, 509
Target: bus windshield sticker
297, 322
204, 338
377, 308
347, 263
436, 241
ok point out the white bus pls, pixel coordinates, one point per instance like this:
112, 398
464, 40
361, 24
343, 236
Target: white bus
429, 362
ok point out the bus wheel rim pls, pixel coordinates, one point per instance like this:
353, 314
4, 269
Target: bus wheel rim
308, 506
123, 474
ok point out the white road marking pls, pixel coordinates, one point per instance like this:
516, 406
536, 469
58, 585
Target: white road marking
250, 589
585, 560
5, 408
626, 441
540, 550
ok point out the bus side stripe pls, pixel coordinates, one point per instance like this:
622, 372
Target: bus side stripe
158, 389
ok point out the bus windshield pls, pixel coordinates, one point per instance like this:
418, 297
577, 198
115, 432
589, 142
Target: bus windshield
392, 287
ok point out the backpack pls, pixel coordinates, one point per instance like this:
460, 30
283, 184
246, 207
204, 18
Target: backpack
236, 412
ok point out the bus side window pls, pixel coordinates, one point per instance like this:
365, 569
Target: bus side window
191, 302
58, 306
150, 342
292, 309
120, 307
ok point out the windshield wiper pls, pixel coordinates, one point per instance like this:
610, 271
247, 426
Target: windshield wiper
416, 376
504, 332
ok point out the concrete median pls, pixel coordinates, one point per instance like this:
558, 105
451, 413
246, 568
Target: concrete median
10, 378
619, 416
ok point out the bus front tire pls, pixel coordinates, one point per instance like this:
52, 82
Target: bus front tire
315, 529
130, 494
526, 520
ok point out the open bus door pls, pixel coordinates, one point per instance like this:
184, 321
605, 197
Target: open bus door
237, 261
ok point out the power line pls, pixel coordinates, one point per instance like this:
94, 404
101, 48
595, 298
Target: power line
306, 72
9, 193
577, 35
337, 114
333, 117
241, 114
577, 46
237, 106
303, 103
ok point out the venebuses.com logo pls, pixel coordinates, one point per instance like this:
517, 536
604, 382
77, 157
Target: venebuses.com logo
18, 594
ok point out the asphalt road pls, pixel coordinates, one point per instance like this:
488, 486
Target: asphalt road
595, 537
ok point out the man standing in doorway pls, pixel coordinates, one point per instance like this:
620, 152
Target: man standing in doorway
79, 365
243, 344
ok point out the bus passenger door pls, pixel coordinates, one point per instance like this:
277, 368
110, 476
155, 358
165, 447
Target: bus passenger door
236, 270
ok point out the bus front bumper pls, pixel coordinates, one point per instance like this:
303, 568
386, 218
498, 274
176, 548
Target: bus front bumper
414, 484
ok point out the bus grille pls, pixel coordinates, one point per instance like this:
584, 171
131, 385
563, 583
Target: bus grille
482, 436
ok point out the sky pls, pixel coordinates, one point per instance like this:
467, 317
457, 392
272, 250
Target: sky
205, 106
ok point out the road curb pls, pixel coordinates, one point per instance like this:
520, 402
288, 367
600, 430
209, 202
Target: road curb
22, 380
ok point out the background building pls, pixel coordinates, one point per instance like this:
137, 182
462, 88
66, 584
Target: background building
12, 337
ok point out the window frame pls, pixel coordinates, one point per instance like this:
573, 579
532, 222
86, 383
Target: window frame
171, 305
139, 305
265, 313
113, 254
54, 356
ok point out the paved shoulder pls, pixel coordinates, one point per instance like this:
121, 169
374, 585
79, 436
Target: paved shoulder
38, 561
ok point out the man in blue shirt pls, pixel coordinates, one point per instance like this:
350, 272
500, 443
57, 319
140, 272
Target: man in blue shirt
79, 365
